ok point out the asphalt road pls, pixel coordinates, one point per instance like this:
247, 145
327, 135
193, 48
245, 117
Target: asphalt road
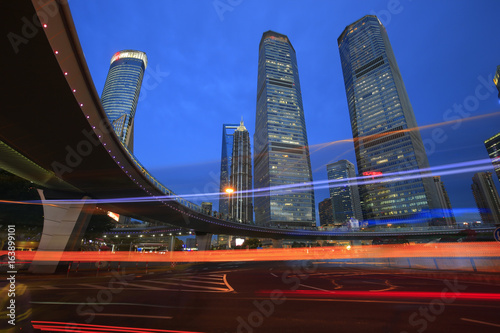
263, 297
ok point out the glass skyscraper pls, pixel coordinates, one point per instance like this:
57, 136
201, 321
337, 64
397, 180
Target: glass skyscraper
225, 165
325, 212
385, 132
281, 151
343, 192
496, 80
121, 92
444, 216
487, 200
240, 204
493, 148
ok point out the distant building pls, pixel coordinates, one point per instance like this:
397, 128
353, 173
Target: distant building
343, 192
240, 204
225, 165
206, 207
325, 212
496, 80
385, 132
493, 149
191, 243
281, 149
444, 215
487, 199
121, 92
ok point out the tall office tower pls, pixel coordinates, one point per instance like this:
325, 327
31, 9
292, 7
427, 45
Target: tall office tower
493, 149
225, 165
240, 204
344, 192
486, 196
281, 151
444, 216
385, 132
121, 92
325, 212
496, 80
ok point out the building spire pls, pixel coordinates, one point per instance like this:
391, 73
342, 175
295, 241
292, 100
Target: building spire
241, 127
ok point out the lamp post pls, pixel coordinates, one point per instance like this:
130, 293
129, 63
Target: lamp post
230, 191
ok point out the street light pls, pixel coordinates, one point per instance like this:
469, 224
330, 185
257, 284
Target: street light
229, 191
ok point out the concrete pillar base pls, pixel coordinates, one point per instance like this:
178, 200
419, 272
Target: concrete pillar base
63, 226
204, 241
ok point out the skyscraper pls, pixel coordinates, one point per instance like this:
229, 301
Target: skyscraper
385, 132
121, 92
487, 199
496, 80
240, 205
281, 150
225, 165
493, 149
325, 212
445, 215
344, 192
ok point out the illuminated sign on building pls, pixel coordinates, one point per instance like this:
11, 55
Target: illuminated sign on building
372, 173
114, 216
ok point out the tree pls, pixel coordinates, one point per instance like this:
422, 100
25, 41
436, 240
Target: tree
178, 244
251, 243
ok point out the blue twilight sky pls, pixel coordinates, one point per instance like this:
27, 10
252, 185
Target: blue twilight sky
202, 72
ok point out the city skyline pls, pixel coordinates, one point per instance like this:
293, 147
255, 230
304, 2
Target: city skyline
328, 117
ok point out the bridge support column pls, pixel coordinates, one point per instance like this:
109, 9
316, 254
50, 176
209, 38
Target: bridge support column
277, 243
63, 227
204, 240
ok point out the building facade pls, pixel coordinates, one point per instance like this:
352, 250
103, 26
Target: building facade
493, 149
487, 199
385, 132
325, 212
206, 207
240, 204
281, 150
225, 165
443, 216
344, 192
121, 92
496, 80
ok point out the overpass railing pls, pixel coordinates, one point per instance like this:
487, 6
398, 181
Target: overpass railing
160, 186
